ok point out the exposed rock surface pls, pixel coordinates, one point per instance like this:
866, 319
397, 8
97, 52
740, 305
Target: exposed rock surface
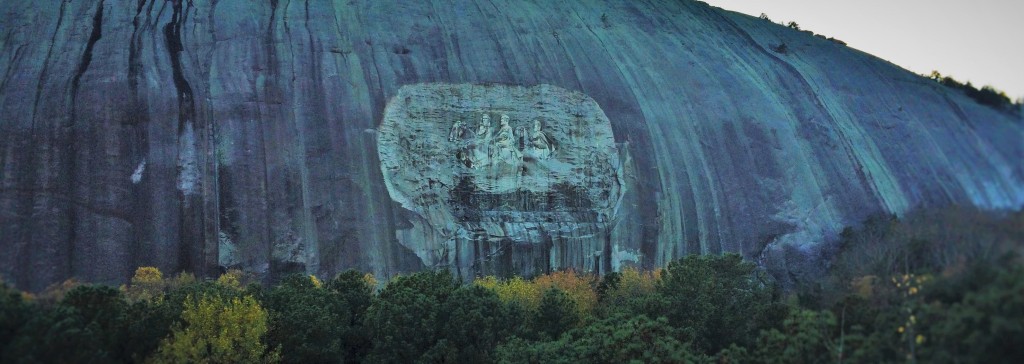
540, 190
195, 134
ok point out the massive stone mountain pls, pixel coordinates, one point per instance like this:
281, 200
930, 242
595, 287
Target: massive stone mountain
319, 135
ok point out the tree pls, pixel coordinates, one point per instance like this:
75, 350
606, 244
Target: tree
85, 327
146, 284
985, 326
612, 340
618, 291
318, 323
356, 291
403, 321
806, 337
474, 322
218, 330
719, 300
516, 290
14, 313
556, 314
579, 288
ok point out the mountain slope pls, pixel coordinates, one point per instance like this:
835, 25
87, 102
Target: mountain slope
195, 134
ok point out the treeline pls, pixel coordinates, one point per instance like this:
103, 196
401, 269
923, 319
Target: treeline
892, 297
987, 95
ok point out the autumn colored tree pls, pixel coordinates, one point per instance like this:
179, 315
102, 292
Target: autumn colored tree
580, 288
218, 330
618, 290
516, 290
147, 284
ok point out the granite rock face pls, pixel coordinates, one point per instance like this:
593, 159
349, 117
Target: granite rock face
540, 190
196, 135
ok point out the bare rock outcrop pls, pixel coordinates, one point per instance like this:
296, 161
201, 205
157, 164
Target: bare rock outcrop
205, 134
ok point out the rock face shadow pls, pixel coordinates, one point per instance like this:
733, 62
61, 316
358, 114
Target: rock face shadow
503, 179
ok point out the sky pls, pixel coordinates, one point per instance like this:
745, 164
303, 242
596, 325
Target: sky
981, 41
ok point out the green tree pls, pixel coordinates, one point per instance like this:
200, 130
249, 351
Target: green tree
555, 315
14, 314
314, 324
986, 326
403, 321
806, 337
613, 340
85, 327
717, 300
474, 321
356, 293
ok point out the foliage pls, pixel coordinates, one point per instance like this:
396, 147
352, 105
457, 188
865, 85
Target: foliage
719, 300
403, 321
619, 289
316, 323
615, 340
87, 326
806, 337
233, 278
987, 95
987, 324
578, 287
555, 315
943, 286
473, 322
147, 284
14, 313
54, 293
581, 289
517, 290
218, 330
